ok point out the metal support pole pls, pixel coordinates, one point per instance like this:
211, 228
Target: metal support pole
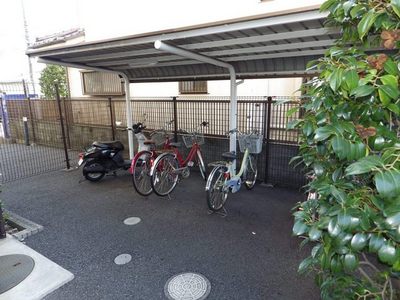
26, 131
111, 118
4, 116
62, 126
175, 119
129, 121
267, 139
67, 122
28, 100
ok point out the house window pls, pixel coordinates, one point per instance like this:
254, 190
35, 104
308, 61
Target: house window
98, 83
193, 87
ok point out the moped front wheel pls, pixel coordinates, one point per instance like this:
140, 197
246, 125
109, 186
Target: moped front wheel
217, 192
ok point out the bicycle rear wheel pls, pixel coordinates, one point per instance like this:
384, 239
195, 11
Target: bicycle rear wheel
250, 174
141, 173
217, 193
164, 176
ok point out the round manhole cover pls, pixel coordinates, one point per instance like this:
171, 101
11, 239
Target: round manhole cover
122, 259
187, 286
14, 269
132, 221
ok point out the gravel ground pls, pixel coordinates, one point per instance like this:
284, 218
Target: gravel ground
250, 254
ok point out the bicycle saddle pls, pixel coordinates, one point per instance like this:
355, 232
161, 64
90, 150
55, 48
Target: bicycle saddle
229, 155
149, 142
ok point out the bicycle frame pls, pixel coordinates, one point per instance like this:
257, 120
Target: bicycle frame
192, 154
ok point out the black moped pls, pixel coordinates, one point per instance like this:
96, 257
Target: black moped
101, 158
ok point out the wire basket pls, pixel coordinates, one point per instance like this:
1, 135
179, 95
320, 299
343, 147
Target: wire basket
193, 138
253, 142
159, 137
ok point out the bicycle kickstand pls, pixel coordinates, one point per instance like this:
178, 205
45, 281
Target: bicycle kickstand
222, 213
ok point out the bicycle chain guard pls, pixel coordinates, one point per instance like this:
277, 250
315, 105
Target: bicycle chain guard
234, 184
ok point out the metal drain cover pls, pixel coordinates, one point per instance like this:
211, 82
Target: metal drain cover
14, 269
187, 286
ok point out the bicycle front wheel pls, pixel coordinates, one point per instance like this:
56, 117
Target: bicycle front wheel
141, 173
250, 173
164, 176
202, 166
217, 193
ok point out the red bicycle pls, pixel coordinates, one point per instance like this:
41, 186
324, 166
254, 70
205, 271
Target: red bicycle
168, 166
144, 159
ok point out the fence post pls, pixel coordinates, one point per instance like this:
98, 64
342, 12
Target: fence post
28, 99
267, 139
26, 131
175, 119
112, 118
2, 224
67, 122
62, 126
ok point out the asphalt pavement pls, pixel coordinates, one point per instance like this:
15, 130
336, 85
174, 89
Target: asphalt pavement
250, 254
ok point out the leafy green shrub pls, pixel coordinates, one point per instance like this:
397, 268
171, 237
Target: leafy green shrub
351, 147
50, 75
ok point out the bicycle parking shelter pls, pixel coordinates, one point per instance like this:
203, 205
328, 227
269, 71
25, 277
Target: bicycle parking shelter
272, 45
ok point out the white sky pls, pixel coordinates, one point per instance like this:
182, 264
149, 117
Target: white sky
105, 19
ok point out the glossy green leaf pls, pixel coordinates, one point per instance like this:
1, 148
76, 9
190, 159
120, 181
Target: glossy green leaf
308, 128
314, 233
305, 265
387, 254
350, 262
389, 92
391, 67
333, 228
364, 165
327, 4
388, 183
351, 78
340, 147
335, 80
362, 91
396, 6
339, 195
379, 143
366, 23
376, 242
336, 264
356, 10
299, 228
323, 133
390, 80
393, 220
359, 241
394, 108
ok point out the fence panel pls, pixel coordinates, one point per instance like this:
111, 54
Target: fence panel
30, 134
89, 119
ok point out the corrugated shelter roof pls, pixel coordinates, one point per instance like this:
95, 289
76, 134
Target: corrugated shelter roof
269, 45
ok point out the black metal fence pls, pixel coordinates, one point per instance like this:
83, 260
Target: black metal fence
30, 133
88, 119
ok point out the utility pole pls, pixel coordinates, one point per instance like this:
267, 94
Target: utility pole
27, 46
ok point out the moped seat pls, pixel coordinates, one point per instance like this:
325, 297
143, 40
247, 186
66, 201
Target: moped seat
117, 145
229, 155
176, 145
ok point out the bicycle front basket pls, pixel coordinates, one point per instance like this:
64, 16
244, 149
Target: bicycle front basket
253, 142
159, 137
191, 138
